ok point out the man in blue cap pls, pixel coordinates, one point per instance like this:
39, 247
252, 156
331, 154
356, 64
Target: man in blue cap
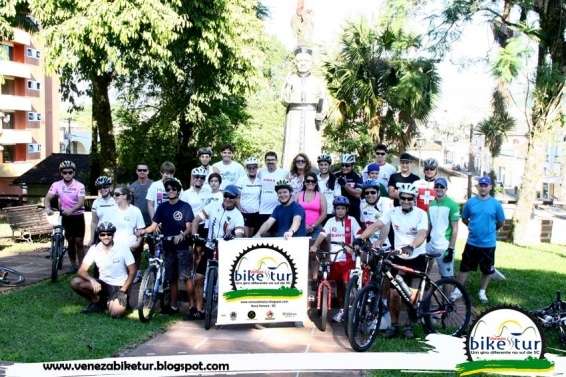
483, 215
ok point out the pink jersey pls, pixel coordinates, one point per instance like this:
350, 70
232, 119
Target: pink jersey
312, 208
68, 194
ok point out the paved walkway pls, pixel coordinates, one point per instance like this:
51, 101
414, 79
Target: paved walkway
33, 264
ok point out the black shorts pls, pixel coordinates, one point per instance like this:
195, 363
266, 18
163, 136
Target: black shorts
474, 256
252, 220
74, 225
417, 263
178, 263
107, 291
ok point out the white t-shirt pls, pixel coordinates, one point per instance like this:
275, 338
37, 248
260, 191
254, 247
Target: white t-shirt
251, 192
329, 194
385, 172
126, 222
222, 221
156, 193
369, 214
197, 199
406, 226
230, 173
335, 231
268, 200
103, 207
112, 265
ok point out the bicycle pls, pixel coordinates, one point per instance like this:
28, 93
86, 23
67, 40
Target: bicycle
58, 250
432, 305
153, 287
210, 284
553, 316
359, 275
10, 277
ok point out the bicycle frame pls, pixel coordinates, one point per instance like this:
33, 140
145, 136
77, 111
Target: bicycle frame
157, 262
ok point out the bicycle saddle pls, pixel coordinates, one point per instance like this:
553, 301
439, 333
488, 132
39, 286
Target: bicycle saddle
433, 254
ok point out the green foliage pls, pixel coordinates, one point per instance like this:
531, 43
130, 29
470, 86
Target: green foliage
511, 59
496, 127
15, 13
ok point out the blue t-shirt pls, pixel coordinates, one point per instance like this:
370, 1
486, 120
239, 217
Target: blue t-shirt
173, 217
483, 215
283, 216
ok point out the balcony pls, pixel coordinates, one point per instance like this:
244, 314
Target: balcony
15, 169
13, 137
14, 69
21, 37
14, 103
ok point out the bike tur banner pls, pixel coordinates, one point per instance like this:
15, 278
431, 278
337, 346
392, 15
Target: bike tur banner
262, 280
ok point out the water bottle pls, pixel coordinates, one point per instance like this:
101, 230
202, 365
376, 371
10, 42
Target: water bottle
404, 287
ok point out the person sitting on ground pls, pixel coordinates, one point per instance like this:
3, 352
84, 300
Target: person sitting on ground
314, 204
288, 217
340, 228
116, 268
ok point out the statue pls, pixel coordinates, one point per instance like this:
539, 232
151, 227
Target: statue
303, 96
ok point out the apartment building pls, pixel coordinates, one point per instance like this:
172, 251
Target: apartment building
29, 104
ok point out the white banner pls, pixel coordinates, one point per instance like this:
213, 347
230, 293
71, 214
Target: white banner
262, 280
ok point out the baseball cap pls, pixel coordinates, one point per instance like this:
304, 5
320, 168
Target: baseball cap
405, 156
441, 181
373, 167
485, 180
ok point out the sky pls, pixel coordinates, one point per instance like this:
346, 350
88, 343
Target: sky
466, 81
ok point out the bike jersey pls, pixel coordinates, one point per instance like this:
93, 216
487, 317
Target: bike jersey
68, 194
406, 226
329, 193
251, 193
103, 208
425, 194
268, 199
341, 231
370, 213
222, 221
442, 213
113, 265
126, 221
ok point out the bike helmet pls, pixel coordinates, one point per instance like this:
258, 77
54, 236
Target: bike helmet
371, 183
106, 226
430, 163
232, 189
341, 201
67, 165
103, 181
204, 150
251, 161
407, 188
373, 167
200, 171
173, 182
325, 157
283, 183
348, 158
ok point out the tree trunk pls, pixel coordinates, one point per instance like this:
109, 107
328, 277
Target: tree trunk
185, 156
94, 159
532, 180
102, 116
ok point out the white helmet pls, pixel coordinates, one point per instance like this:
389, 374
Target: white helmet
348, 158
407, 188
200, 171
251, 161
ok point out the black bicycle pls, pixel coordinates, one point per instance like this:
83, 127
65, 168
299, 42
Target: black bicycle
210, 284
431, 303
554, 316
10, 277
58, 250
154, 290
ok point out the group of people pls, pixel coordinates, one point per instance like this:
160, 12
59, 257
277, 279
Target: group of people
390, 208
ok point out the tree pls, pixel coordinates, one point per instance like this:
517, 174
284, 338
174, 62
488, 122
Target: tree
544, 24
15, 13
497, 125
101, 42
381, 88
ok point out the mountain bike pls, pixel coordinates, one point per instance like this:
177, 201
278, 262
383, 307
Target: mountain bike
359, 276
10, 277
154, 289
554, 316
210, 285
58, 250
430, 303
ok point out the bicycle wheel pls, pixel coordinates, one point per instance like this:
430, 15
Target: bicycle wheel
10, 277
148, 295
442, 314
364, 318
209, 304
56, 256
323, 311
350, 296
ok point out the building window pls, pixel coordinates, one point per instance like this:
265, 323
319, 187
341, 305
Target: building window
32, 53
8, 87
34, 85
34, 116
6, 52
34, 148
9, 121
37, 54
9, 153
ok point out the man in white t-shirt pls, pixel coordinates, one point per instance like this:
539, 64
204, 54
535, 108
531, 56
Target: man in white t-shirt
102, 206
268, 176
327, 182
385, 169
198, 194
229, 169
373, 207
156, 192
410, 227
116, 268
250, 186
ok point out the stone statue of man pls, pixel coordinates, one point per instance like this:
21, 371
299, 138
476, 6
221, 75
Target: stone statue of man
303, 96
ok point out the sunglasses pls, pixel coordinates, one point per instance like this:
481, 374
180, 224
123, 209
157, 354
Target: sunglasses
310, 181
380, 153
346, 165
300, 161
118, 194
68, 172
170, 189
439, 187
429, 169
406, 198
142, 170
104, 234
371, 192
199, 176
229, 196
252, 166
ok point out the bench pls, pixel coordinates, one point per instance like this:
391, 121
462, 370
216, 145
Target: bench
27, 221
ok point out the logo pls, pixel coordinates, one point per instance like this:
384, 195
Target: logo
269, 315
504, 338
233, 316
251, 314
177, 215
263, 271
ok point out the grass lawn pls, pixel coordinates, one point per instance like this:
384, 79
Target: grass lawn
533, 277
43, 322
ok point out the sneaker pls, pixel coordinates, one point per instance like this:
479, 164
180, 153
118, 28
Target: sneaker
93, 307
199, 316
391, 332
456, 294
408, 332
497, 275
190, 316
483, 297
170, 310
138, 277
339, 316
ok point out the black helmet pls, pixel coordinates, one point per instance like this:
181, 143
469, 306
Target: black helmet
106, 226
430, 163
204, 150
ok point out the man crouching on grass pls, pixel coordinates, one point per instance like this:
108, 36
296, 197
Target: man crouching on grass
117, 270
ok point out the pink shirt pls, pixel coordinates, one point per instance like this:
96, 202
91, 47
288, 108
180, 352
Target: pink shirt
68, 194
312, 208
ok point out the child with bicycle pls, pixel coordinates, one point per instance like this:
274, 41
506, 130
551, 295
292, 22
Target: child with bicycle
340, 229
